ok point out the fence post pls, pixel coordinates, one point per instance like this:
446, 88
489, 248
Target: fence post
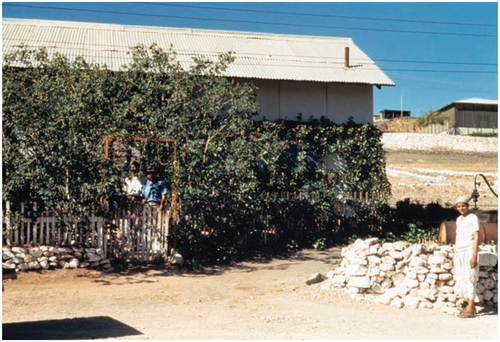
35, 223
8, 225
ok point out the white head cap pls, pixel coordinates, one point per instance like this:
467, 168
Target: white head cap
462, 199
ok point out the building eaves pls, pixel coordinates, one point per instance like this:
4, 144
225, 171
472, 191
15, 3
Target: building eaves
257, 55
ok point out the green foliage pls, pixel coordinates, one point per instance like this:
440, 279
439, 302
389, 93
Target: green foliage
416, 234
320, 244
431, 117
484, 135
57, 113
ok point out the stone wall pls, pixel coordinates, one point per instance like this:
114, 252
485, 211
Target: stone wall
47, 257
439, 142
401, 274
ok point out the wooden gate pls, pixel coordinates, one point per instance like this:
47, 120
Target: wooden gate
141, 234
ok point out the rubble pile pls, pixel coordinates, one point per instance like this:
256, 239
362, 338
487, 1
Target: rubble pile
401, 274
439, 142
46, 257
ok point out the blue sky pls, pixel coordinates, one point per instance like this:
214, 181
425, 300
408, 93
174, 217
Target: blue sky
436, 52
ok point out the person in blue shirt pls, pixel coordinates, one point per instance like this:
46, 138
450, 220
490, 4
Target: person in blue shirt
154, 192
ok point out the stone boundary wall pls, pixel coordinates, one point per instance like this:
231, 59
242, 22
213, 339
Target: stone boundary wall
401, 275
47, 257
439, 142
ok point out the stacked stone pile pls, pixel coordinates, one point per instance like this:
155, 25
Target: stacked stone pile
439, 142
401, 274
46, 257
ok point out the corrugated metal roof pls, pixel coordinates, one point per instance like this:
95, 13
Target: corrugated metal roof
478, 101
258, 56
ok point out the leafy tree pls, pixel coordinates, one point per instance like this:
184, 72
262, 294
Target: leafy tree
57, 113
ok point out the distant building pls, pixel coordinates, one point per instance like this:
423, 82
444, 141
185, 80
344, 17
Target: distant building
387, 114
467, 116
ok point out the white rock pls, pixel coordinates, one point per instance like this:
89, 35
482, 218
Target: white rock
34, 265
400, 246
373, 272
437, 270
411, 275
9, 266
359, 282
358, 261
7, 255
21, 255
402, 290
445, 289
330, 274
386, 267
396, 255
44, 264
356, 270
19, 250
386, 283
74, 263
421, 270
436, 260
23, 266
378, 289
92, 257
372, 241
451, 297
388, 246
426, 305
416, 262
397, 303
410, 283
36, 252
487, 259
360, 244
484, 274
445, 276
411, 302
489, 284
372, 259
54, 250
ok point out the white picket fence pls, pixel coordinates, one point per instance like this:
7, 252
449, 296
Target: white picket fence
133, 235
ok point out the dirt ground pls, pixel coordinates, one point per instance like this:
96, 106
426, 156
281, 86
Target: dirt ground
266, 300
254, 300
441, 177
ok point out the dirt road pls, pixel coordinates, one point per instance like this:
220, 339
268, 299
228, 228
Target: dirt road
440, 177
251, 300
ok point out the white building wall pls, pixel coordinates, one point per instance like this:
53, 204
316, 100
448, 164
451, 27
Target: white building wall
335, 101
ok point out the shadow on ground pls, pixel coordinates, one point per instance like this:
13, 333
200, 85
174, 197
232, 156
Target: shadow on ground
85, 328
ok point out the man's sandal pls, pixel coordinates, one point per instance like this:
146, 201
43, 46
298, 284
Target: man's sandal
464, 314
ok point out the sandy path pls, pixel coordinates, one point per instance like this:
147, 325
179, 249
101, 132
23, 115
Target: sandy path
251, 300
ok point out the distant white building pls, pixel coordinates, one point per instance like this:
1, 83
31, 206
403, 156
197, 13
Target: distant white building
314, 76
467, 116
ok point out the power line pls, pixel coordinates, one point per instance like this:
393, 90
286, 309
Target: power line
253, 22
320, 15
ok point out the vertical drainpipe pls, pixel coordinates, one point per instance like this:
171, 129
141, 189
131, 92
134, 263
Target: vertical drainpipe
346, 57
279, 99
